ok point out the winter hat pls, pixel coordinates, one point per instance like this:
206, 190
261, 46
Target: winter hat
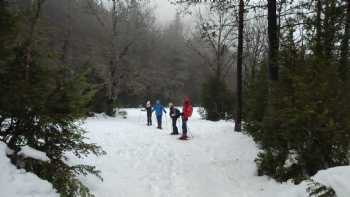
158, 102
171, 104
186, 100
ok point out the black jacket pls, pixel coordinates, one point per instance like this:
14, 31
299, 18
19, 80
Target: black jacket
174, 113
149, 110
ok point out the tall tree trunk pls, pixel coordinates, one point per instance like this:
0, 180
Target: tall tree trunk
36, 8
344, 53
66, 48
318, 44
238, 118
113, 63
220, 51
330, 31
28, 60
114, 56
273, 39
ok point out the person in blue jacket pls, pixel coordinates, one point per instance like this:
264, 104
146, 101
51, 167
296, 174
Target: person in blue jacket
159, 109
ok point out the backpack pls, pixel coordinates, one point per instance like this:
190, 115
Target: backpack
190, 110
177, 113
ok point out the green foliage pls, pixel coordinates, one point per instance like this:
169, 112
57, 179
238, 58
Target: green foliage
217, 99
41, 102
272, 163
63, 177
111, 107
316, 189
307, 111
8, 27
309, 115
255, 94
101, 104
40, 107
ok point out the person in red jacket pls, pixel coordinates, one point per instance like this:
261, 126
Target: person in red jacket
186, 113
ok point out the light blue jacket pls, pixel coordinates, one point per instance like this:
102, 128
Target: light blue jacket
159, 109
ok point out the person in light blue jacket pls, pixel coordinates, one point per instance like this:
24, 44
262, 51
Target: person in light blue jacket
159, 109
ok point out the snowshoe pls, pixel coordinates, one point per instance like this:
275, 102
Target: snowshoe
183, 138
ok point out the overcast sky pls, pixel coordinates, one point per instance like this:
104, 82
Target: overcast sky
165, 12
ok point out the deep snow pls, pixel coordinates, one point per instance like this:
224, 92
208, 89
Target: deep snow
27, 151
18, 183
143, 161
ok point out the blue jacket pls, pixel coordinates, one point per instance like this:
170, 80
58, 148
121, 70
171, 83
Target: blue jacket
159, 109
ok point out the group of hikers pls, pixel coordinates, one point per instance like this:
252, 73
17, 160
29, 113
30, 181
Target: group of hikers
174, 115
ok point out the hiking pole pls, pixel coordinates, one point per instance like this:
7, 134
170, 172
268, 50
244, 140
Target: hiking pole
141, 117
180, 125
139, 121
189, 132
170, 128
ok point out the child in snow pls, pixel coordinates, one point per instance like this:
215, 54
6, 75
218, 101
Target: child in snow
174, 115
186, 113
149, 113
159, 109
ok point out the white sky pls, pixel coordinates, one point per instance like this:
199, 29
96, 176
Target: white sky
165, 12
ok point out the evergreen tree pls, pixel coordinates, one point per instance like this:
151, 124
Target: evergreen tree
41, 102
309, 118
217, 100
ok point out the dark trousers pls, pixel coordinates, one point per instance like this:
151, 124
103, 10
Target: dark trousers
184, 127
159, 120
149, 118
175, 129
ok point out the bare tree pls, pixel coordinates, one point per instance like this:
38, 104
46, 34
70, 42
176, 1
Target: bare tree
217, 30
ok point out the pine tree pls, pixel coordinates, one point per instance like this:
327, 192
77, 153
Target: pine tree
217, 100
309, 117
41, 102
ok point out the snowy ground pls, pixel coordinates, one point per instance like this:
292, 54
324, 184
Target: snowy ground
142, 161
18, 183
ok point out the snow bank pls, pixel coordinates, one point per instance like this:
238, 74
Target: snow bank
18, 183
27, 151
144, 161
338, 178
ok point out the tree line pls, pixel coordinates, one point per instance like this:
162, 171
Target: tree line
279, 68
292, 82
61, 61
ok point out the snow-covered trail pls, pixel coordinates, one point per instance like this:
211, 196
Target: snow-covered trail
144, 161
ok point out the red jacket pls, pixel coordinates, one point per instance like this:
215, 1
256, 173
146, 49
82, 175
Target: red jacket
187, 109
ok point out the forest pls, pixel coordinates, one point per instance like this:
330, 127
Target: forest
279, 69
